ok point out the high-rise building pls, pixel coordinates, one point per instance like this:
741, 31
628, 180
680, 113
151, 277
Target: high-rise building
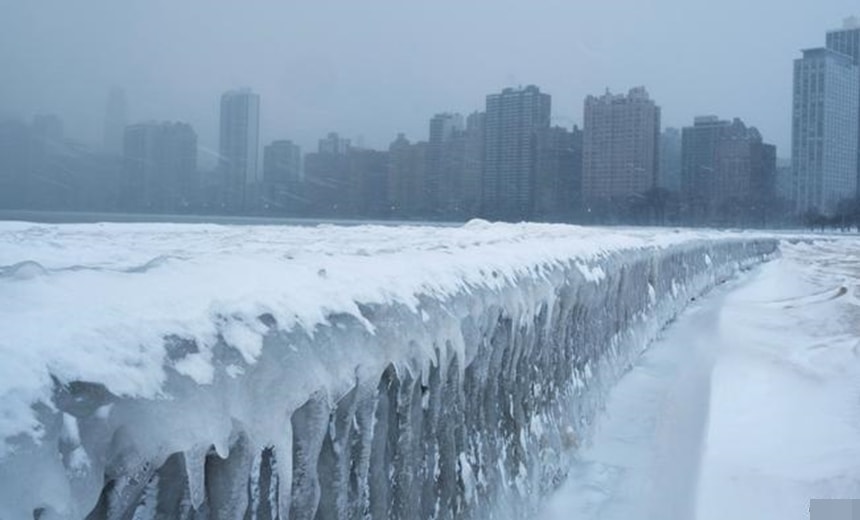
326, 177
825, 112
514, 121
444, 126
40, 169
333, 144
444, 154
620, 147
728, 173
559, 172
239, 149
578, 156
669, 174
282, 163
407, 164
467, 184
784, 179
368, 183
115, 121
699, 151
847, 41
160, 167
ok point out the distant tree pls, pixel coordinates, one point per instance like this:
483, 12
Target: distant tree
847, 214
813, 219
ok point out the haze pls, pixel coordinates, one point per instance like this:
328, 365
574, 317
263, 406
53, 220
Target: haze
372, 69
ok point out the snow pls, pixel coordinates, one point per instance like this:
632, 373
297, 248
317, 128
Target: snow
169, 338
747, 407
785, 420
643, 458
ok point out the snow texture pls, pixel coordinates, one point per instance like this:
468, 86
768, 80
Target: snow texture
746, 407
784, 420
201, 371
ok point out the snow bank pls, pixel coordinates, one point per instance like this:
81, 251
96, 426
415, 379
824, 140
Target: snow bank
320, 372
787, 381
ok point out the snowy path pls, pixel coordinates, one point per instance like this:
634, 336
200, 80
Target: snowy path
746, 408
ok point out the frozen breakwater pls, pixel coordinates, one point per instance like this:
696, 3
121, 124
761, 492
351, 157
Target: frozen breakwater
199, 371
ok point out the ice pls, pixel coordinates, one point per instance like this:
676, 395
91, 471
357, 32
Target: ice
322, 371
194, 460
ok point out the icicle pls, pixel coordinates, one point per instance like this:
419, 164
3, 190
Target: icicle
284, 470
195, 464
254, 482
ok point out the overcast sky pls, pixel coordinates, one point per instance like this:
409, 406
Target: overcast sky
373, 68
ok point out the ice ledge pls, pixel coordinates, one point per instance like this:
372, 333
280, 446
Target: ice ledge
426, 373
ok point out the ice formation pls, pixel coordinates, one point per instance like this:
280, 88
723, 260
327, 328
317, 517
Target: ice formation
198, 371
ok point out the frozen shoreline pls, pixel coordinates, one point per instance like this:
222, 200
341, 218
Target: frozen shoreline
222, 344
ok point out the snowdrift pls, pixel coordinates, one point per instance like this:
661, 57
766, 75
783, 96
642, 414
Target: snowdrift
198, 371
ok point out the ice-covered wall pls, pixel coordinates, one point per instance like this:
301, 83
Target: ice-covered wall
443, 398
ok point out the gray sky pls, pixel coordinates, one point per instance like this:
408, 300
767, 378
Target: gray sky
374, 68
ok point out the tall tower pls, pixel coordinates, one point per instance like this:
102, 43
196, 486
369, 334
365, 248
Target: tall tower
513, 124
445, 131
728, 172
406, 165
159, 167
558, 172
824, 141
327, 176
847, 41
282, 164
116, 117
239, 148
669, 175
621, 144
469, 184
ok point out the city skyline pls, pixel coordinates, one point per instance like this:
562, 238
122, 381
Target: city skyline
369, 89
506, 163
511, 161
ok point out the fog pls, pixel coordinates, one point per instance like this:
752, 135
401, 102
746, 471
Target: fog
372, 69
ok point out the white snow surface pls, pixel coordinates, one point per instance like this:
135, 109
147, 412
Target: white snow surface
747, 407
94, 302
784, 422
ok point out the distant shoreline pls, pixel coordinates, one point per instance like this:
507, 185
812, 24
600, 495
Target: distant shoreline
91, 217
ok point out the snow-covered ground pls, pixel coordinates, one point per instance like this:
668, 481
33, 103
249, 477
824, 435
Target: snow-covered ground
747, 407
